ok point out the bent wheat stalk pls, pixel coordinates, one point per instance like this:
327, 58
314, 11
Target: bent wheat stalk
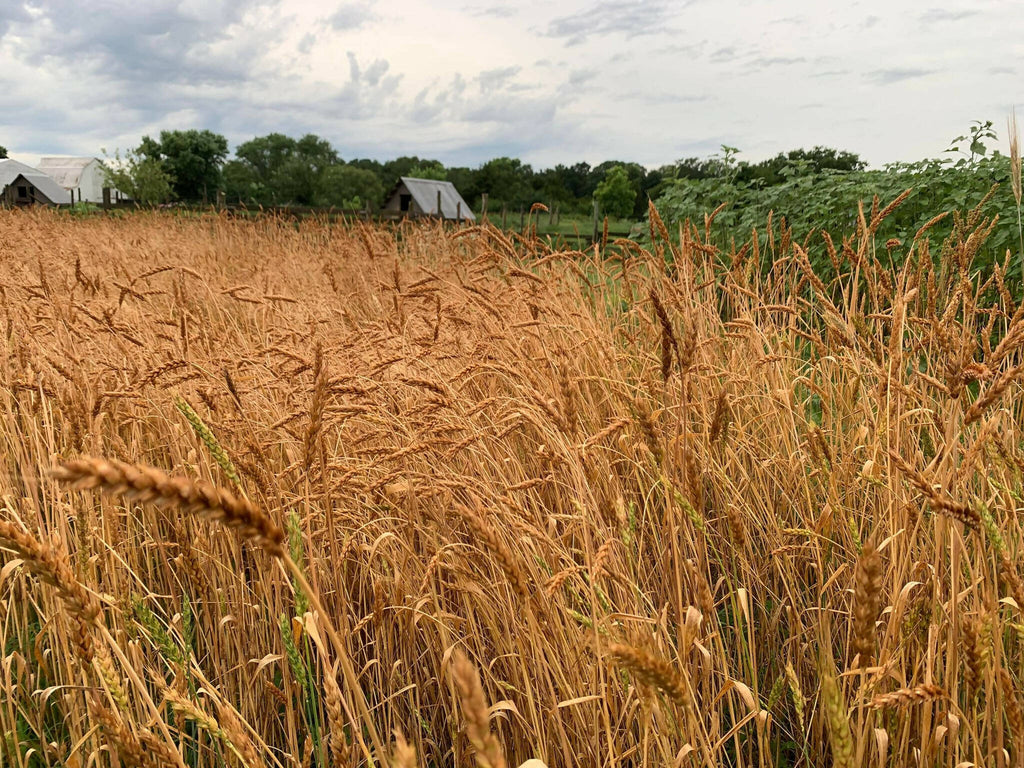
904, 697
146, 484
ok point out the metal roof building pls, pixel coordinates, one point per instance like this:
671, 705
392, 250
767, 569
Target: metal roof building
83, 177
420, 196
22, 184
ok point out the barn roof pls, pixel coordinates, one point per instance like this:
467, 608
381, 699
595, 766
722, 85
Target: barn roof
424, 192
12, 169
66, 170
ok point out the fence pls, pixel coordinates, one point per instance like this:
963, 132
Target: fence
529, 221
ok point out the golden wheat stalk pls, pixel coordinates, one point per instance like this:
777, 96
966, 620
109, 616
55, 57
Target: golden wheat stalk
486, 534
1015, 169
905, 697
404, 754
866, 602
146, 484
51, 566
669, 342
489, 753
967, 515
1011, 706
145, 751
653, 671
335, 719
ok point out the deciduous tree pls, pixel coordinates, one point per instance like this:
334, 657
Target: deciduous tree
616, 194
193, 158
144, 179
345, 186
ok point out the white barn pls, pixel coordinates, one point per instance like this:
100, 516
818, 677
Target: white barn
83, 177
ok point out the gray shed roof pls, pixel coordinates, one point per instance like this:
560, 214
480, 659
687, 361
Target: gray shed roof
66, 170
424, 192
12, 169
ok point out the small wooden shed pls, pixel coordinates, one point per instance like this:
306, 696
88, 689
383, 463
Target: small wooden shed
22, 185
421, 197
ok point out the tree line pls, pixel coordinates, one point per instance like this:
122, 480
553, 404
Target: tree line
279, 170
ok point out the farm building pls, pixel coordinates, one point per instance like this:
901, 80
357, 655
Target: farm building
421, 196
22, 184
83, 177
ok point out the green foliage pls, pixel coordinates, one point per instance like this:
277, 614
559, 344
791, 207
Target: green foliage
817, 160
463, 179
265, 154
3, 152
616, 194
506, 180
295, 181
251, 178
278, 170
391, 171
144, 179
812, 201
193, 158
317, 152
429, 169
974, 140
27, 744
241, 183
346, 186
299, 176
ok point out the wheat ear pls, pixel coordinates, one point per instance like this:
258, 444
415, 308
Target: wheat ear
905, 697
141, 483
654, 671
866, 600
474, 709
837, 720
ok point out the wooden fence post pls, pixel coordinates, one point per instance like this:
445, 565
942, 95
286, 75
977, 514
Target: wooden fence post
483, 207
440, 213
596, 210
458, 214
504, 211
522, 219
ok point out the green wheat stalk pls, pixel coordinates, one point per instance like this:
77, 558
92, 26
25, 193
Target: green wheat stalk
209, 440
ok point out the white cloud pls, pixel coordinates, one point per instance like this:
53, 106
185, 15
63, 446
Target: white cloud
650, 80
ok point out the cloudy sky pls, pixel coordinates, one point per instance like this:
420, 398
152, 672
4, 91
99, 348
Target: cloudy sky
550, 82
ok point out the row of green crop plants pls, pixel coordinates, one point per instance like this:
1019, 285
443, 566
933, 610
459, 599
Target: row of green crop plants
812, 200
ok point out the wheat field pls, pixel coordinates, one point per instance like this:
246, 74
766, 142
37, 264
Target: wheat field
313, 494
